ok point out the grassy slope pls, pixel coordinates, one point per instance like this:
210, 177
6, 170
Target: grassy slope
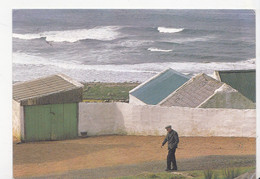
107, 91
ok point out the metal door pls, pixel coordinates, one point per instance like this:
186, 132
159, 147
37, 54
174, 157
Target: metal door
51, 122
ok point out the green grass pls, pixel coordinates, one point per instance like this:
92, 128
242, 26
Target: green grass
231, 173
198, 174
208, 174
107, 91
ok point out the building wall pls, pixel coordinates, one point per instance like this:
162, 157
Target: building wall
16, 119
22, 122
135, 101
100, 119
233, 100
123, 118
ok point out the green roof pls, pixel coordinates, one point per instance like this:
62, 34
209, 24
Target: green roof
242, 80
159, 87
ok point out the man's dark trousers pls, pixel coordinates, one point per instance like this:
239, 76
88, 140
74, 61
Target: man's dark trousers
171, 159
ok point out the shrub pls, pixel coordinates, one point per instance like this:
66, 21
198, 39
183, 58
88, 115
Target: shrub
215, 176
208, 174
230, 173
177, 177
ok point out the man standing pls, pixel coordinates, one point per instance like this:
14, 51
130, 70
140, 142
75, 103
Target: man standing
173, 140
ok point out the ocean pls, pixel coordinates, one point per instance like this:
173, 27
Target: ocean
130, 45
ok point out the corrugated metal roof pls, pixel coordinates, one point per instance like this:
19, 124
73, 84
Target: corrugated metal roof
193, 92
43, 87
242, 80
159, 87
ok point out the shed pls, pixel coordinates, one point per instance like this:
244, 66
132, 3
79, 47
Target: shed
203, 91
154, 90
46, 108
242, 80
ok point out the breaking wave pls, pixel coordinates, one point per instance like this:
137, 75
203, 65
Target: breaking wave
158, 50
153, 68
104, 33
27, 59
169, 30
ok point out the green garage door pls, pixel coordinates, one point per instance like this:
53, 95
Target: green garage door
50, 122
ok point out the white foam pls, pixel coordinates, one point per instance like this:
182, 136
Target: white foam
136, 71
98, 33
169, 30
158, 50
27, 59
191, 39
27, 36
133, 43
252, 60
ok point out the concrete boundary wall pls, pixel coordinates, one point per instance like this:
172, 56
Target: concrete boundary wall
124, 118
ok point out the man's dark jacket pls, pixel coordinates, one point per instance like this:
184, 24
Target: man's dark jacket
172, 138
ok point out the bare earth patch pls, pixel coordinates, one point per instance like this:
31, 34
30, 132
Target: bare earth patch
56, 157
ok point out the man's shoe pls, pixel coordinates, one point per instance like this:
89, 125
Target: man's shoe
167, 169
174, 169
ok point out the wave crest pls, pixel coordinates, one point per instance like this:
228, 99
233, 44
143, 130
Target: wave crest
169, 30
158, 50
104, 33
185, 67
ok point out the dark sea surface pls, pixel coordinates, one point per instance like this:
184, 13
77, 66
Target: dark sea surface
130, 45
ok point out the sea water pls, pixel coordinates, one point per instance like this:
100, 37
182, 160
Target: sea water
130, 45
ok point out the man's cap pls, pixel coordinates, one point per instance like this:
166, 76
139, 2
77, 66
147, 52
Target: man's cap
169, 126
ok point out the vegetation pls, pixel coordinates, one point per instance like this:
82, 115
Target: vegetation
231, 173
208, 174
199, 174
107, 92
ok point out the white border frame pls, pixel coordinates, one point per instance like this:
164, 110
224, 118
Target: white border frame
6, 49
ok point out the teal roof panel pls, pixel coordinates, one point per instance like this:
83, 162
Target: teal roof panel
158, 88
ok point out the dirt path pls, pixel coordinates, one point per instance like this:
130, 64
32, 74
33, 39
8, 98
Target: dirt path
197, 163
57, 157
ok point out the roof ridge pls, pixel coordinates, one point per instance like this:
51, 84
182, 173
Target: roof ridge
217, 91
63, 76
156, 76
210, 78
31, 97
150, 79
245, 70
174, 92
35, 79
205, 76
70, 80
44, 86
224, 87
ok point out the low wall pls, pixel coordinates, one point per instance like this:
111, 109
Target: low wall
123, 118
100, 119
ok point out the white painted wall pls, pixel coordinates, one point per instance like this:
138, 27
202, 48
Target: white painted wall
99, 119
135, 101
16, 119
121, 118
